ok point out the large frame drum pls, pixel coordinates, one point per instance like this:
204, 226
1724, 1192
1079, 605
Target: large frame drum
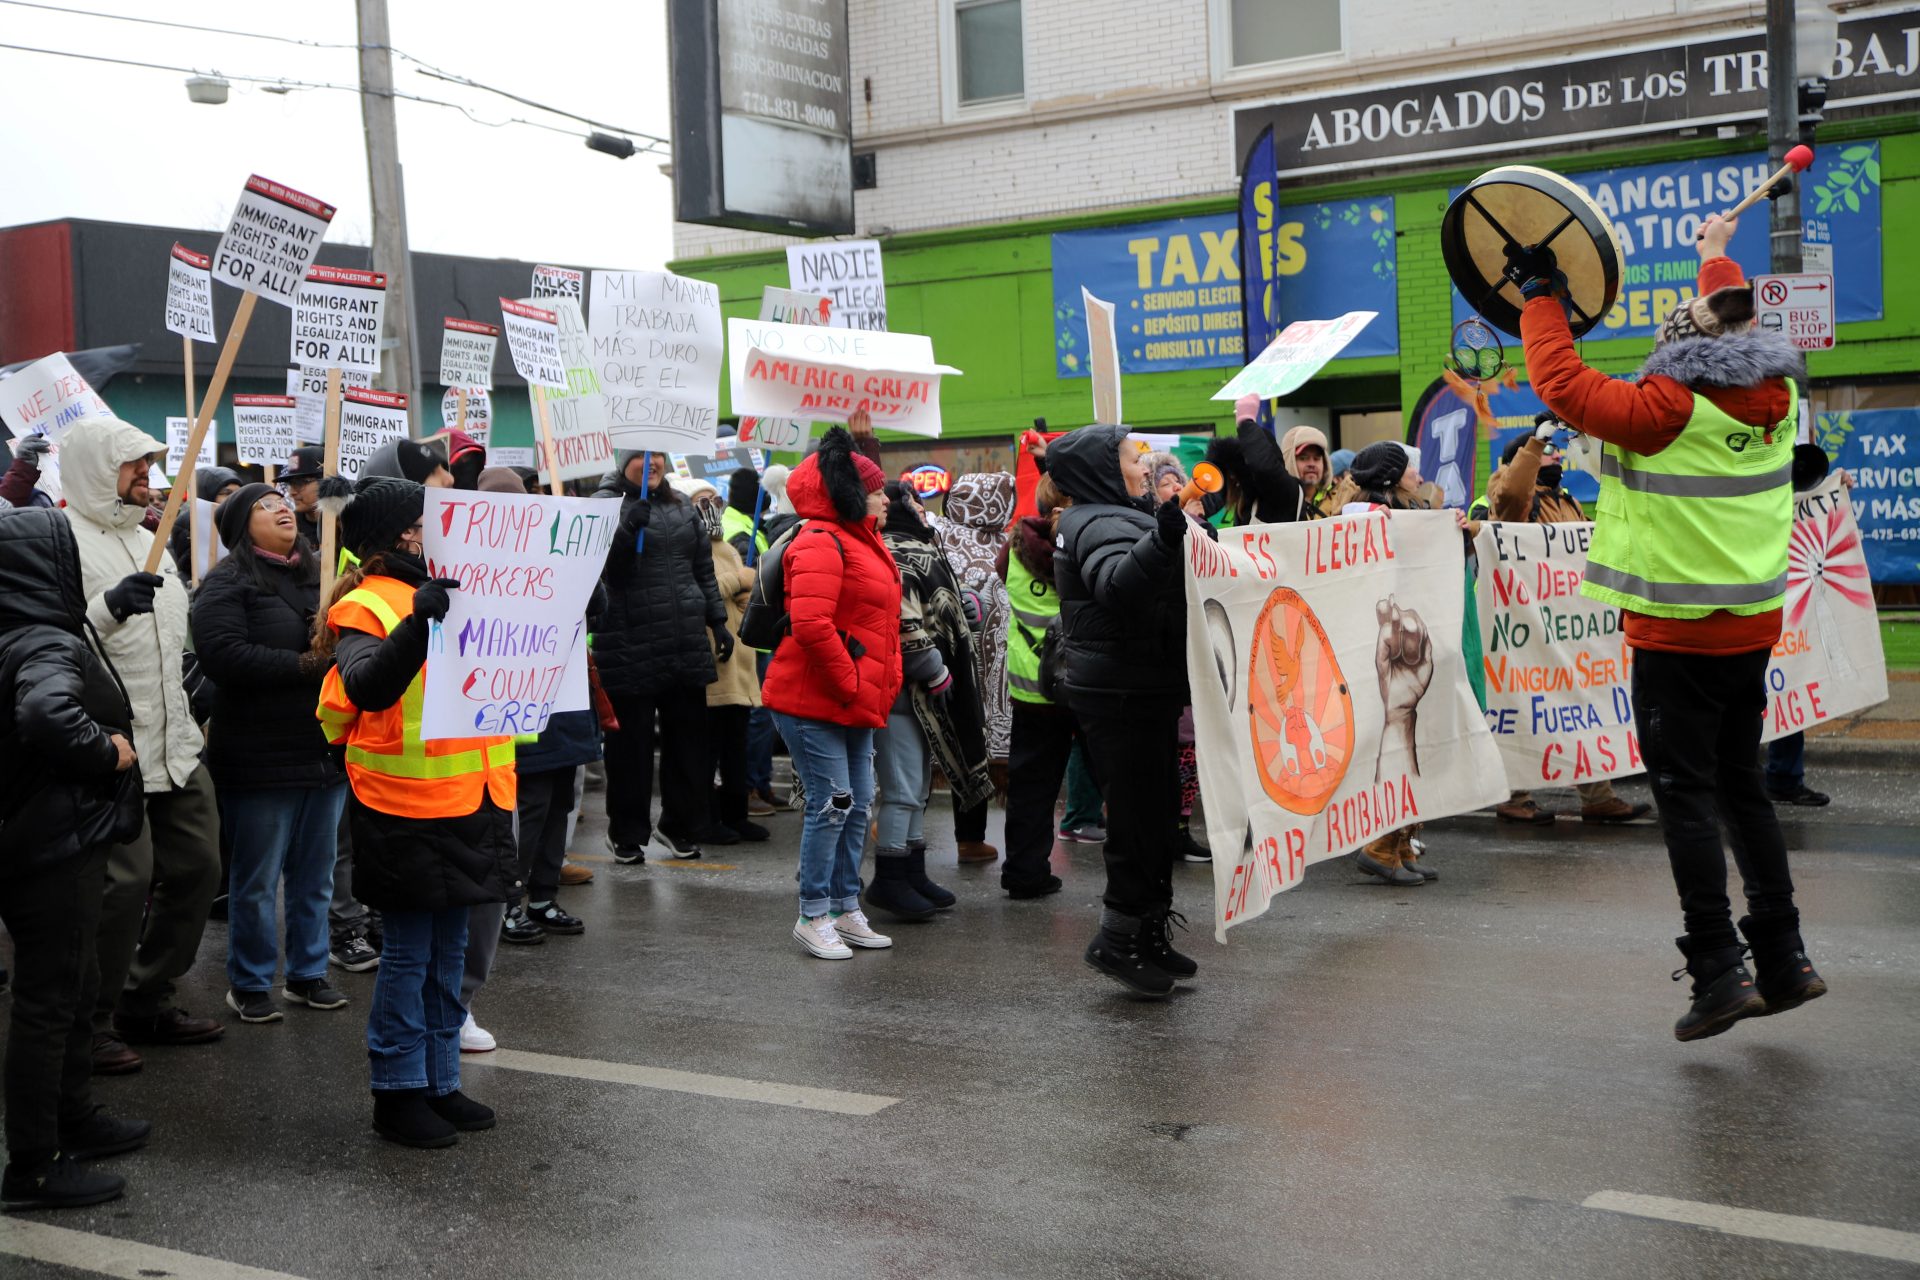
1518, 207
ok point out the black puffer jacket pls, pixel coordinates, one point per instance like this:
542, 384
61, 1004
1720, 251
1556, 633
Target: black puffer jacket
59, 703
1123, 605
660, 602
249, 641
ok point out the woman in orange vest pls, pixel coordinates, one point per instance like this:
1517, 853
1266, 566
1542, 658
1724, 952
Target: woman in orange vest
431, 820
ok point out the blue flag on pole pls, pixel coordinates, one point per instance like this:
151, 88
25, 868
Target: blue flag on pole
1259, 277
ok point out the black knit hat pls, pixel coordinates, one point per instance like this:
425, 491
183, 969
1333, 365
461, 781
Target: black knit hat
381, 510
231, 519
1378, 467
305, 463
743, 489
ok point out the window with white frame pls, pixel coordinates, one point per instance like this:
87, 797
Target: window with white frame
988, 53
1263, 31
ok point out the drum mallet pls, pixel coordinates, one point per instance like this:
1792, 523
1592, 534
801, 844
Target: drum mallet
1797, 159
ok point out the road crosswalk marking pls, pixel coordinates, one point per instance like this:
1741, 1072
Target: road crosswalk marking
110, 1256
1819, 1233
781, 1095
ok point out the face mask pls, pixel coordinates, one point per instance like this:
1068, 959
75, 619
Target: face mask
710, 519
1550, 476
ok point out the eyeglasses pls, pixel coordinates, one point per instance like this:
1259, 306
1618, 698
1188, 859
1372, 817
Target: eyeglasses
272, 504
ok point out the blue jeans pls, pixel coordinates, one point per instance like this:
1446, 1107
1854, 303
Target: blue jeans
835, 764
904, 767
760, 741
413, 1025
1787, 764
280, 832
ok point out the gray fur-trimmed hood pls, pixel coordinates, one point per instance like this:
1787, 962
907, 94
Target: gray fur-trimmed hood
1733, 360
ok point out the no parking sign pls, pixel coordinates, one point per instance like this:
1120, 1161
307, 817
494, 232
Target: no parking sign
1798, 307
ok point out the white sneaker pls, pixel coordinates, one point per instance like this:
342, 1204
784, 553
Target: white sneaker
475, 1038
855, 931
819, 937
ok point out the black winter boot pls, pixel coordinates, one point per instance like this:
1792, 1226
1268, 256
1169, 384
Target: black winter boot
1723, 990
404, 1116
892, 892
462, 1112
917, 877
1781, 970
1119, 950
55, 1182
1156, 943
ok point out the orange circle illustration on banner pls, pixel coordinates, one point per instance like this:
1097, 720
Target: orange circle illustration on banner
1298, 707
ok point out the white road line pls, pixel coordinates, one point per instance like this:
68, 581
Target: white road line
109, 1256
781, 1095
1819, 1233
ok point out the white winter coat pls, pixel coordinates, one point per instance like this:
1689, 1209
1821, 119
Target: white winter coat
147, 647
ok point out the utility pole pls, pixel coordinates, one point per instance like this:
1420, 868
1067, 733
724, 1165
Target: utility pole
1783, 132
399, 367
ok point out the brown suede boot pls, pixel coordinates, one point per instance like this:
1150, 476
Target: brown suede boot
1385, 859
976, 851
1410, 856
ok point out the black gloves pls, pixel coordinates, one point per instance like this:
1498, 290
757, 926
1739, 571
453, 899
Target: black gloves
132, 594
722, 643
1172, 522
431, 601
1536, 271
313, 663
636, 515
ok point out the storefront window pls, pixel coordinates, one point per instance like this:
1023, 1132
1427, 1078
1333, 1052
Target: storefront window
988, 49
1260, 31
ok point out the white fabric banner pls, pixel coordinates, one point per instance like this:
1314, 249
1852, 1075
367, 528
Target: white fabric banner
1330, 695
512, 650
1829, 661
826, 375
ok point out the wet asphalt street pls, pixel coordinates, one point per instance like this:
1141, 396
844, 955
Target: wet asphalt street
1470, 1079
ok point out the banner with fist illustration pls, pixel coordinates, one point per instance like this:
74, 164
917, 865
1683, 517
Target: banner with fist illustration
1330, 694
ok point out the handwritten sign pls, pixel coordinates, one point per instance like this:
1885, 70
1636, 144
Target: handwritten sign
368, 419
577, 415
47, 397
1103, 358
336, 319
308, 387
271, 239
263, 428
786, 306
533, 338
847, 271
512, 649
479, 413
559, 282
825, 375
657, 346
466, 352
178, 430
190, 294
1295, 356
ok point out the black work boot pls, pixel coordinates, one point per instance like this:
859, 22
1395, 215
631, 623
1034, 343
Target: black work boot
1156, 943
405, 1116
892, 892
57, 1181
1119, 951
917, 877
1781, 970
1723, 990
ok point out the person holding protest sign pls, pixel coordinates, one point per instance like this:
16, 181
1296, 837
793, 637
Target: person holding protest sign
1260, 486
161, 884
73, 791
281, 794
1123, 612
20, 487
834, 679
432, 820
1304, 451
734, 697
1690, 540
656, 649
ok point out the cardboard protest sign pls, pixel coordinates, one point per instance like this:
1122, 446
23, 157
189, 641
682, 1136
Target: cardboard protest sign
825, 375
847, 271
263, 429
1103, 358
577, 414
786, 306
190, 294
559, 282
308, 387
47, 397
1828, 661
336, 319
1295, 356
1330, 695
657, 345
533, 338
178, 429
479, 422
466, 352
368, 419
271, 239
512, 650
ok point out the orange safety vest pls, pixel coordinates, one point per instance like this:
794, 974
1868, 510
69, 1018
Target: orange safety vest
391, 767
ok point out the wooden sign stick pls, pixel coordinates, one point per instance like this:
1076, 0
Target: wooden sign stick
242, 316
268, 468
193, 526
460, 414
329, 534
546, 437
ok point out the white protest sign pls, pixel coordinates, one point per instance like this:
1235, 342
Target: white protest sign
847, 271
1828, 661
512, 649
207, 549
263, 428
513, 456
825, 375
368, 419
271, 240
1295, 356
47, 397
657, 347
785, 306
479, 423
1797, 307
533, 338
1330, 695
336, 319
577, 415
189, 294
1103, 357
466, 352
178, 430
308, 387
560, 282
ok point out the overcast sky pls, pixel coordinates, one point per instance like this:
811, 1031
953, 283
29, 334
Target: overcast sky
93, 140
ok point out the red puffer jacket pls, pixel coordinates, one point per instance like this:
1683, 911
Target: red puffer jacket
842, 663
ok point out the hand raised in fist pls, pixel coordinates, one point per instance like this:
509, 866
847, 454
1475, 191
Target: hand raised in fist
1403, 658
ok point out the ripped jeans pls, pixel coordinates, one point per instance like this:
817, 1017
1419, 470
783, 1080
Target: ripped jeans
835, 763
